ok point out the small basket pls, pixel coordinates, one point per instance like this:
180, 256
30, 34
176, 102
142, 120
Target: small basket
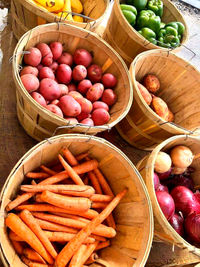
133, 216
26, 15
163, 231
127, 41
40, 123
180, 83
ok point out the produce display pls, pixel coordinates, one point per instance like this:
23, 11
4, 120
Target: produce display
149, 86
62, 8
145, 16
71, 86
176, 193
62, 215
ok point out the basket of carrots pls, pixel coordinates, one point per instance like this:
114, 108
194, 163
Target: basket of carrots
72, 201
27, 14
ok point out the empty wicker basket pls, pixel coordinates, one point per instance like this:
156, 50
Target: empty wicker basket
133, 216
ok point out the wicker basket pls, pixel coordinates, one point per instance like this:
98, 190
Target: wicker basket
162, 229
41, 123
180, 83
127, 41
134, 216
26, 15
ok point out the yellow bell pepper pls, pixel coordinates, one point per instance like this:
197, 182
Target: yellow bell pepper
77, 6
78, 18
52, 5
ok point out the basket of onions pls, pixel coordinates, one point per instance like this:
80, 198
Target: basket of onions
171, 173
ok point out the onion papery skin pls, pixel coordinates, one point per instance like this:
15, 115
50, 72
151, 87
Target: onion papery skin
166, 203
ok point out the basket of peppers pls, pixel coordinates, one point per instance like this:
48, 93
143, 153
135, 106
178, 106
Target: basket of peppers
149, 24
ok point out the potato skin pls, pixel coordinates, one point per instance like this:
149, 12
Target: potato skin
64, 74
49, 89
86, 105
109, 80
71, 120
69, 106
79, 73
29, 70
47, 56
152, 83
54, 66
94, 73
75, 95
95, 92
30, 82
82, 57
39, 98
84, 85
88, 121
100, 116
65, 58
160, 107
145, 93
71, 87
63, 89
109, 97
100, 104
56, 49
55, 109
46, 72
33, 58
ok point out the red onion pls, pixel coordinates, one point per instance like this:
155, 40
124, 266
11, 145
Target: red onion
164, 175
177, 180
176, 222
162, 188
166, 203
192, 227
156, 181
185, 200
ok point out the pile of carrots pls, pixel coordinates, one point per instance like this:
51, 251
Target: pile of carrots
64, 217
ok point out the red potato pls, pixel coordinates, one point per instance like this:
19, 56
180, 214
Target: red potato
56, 49
83, 116
54, 66
95, 73
47, 60
109, 97
69, 106
64, 74
29, 70
95, 92
65, 58
47, 56
79, 73
55, 109
100, 104
71, 87
39, 67
55, 102
100, 116
64, 89
88, 122
33, 58
46, 72
39, 98
86, 105
75, 95
71, 120
82, 57
109, 80
84, 85
30, 82
49, 89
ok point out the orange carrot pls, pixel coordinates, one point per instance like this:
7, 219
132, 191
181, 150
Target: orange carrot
90, 214
86, 166
99, 205
78, 256
95, 182
101, 198
55, 227
72, 174
93, 257
105, 186
82, 156
33, 264
90, 249
69, 157
64, 237
22, 230
110, 221
73, 245
86, 181
47, 170
15, 237
101, 229
32, 255
37, 175
65, 202
19, 200
18, 246
30, 221
38, 199
77, 190
103, 245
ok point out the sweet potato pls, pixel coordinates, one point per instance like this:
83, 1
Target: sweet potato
95, 73
56, 49
55, 109
160, 107
69, 106
84, 85
65, 58
86, 105
33, 58
49, 89
46, 72
100, 104
109, 80
95, 92
30, 82
39, 98
64, 74
64, 89
79, 73
145, 93
82, 57
152, 83
29, 70
100, 116
109, 97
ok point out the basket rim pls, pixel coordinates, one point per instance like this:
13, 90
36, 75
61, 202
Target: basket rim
148, 111
150, 171
132, 31
102, 141
33, 7
60, 120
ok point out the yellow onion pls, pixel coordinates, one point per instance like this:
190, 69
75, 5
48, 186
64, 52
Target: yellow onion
177, 170
181, 156
162, 163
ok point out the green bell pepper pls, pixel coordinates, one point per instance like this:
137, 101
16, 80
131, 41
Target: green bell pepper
178, 26
168, 37
139, 4
130, 13
147, 18
156, 6
148, 34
